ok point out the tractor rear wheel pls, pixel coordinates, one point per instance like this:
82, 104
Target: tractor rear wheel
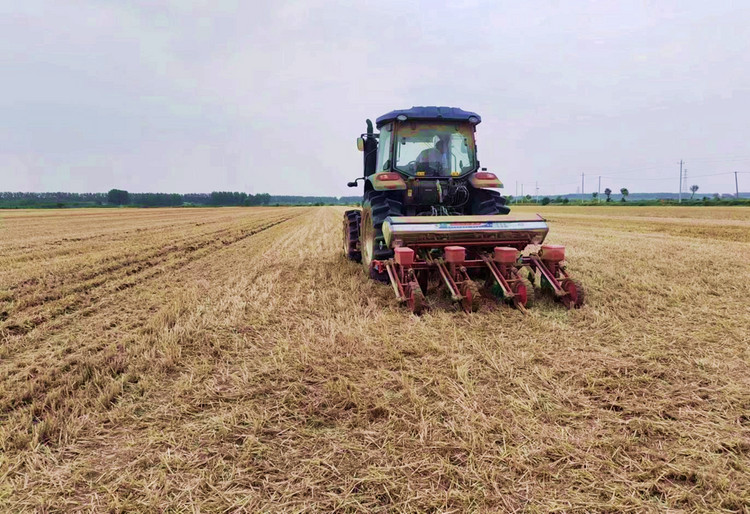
352, 221
376, 207
485, 202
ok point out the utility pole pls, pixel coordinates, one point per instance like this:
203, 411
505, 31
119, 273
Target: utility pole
516, 198
537, 189
599, 191
522, 198
680, 200
582, 193
736, 186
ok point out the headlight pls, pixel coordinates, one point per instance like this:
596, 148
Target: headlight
401, 117
473, 119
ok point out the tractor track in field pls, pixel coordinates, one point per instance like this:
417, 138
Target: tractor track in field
112, 263
20, 314
62, 247
17, 253
148, 255
66, 377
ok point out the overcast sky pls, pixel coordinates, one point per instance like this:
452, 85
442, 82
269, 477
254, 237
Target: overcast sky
196, 96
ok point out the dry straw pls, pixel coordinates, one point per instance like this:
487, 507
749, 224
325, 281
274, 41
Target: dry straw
230, 360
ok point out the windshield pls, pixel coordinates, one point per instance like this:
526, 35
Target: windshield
434, 149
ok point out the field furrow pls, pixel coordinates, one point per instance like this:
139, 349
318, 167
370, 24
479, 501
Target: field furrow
262, 372
32, 303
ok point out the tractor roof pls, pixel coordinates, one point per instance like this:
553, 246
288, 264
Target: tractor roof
429, 113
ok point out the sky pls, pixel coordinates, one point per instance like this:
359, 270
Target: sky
198, 96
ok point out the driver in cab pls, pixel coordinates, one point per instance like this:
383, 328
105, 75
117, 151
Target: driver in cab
433, 159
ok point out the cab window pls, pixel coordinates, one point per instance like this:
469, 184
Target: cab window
384, 148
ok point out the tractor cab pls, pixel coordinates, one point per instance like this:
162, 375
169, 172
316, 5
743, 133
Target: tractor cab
427, 157
425, 148
422, 142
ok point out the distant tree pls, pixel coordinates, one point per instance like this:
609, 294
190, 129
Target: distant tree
624, 192
118, 197
227, 198
565, 201
546, 200
527, 198
197, 198
608, 192
510, 198
594, 195
156, 199
559, 199
717, 196
693, 190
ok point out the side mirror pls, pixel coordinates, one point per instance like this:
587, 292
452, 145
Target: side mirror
360, 144
352, 184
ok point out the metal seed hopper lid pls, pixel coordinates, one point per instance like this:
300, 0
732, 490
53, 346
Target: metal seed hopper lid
517, 230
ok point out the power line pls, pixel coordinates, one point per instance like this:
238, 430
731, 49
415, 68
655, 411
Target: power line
683, 179
632, 170
723, 159
670, 178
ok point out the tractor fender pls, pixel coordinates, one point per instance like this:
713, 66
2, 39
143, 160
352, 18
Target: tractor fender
481, 180
386, 181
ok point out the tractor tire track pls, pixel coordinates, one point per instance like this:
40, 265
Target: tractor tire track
27, 293
107, 266
70, 381
157, 236
17, 254
23, 320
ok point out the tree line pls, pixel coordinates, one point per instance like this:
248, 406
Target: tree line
120, 197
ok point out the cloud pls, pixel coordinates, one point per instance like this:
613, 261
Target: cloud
269, 96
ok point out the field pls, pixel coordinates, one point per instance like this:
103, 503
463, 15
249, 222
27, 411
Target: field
231, 360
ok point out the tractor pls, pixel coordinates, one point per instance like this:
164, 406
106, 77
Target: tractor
429, 209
